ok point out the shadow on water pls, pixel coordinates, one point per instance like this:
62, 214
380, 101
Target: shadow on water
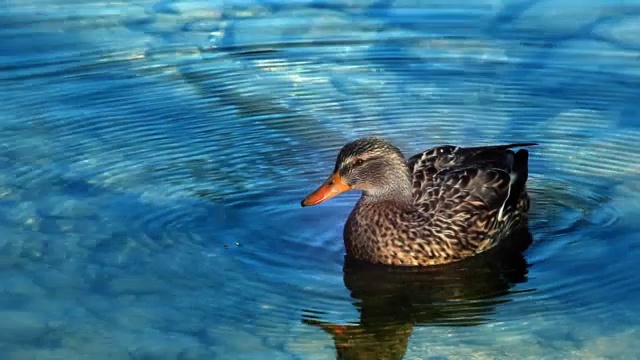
391, 301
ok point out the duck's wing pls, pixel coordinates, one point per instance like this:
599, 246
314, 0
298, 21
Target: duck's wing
454, 182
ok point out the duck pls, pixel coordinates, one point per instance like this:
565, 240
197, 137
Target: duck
440, 206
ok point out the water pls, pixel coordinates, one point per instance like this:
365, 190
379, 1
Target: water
154, 155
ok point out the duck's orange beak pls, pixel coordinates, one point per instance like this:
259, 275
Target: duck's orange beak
332, 187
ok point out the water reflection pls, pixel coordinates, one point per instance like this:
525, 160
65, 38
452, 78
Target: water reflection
392, 300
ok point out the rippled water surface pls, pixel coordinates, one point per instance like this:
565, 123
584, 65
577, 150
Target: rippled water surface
154, 155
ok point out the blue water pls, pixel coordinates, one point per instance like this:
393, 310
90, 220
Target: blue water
154, 155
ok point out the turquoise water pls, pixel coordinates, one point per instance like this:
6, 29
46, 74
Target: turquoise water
154, 156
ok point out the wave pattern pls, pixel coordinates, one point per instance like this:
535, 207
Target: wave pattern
154, 157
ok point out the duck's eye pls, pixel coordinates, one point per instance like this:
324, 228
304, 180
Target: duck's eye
358, 162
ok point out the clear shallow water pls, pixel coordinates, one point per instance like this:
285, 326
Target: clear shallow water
155, 154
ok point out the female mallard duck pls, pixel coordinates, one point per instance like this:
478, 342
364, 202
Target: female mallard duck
440, 206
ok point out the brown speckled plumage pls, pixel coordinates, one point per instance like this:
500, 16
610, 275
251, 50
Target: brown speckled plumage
440, 206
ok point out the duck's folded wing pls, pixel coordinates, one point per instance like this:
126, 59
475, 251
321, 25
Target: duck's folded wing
467, 189
494, 175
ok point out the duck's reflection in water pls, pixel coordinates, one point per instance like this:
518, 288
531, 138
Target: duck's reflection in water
391, 301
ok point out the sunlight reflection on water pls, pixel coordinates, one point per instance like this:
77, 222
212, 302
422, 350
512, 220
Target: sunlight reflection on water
155, 155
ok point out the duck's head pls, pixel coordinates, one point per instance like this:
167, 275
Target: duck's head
372, 165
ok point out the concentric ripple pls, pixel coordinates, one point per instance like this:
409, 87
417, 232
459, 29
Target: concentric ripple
154, 159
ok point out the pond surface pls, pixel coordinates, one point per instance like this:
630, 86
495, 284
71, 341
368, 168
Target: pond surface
154, 155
